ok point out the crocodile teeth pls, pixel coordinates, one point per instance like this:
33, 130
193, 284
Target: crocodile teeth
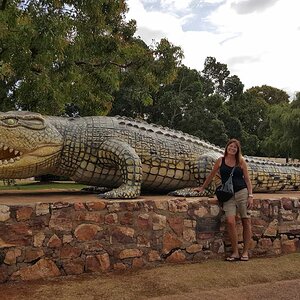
11, 160
10, 150
5, 147
5, 162
16, 152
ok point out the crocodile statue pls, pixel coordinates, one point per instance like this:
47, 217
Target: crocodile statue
121, 154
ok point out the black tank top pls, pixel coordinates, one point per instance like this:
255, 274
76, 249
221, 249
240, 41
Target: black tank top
237, 178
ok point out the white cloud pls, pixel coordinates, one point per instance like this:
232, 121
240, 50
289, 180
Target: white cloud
176, 4
260, 45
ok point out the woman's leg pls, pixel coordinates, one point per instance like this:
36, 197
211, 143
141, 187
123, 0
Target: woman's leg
247, 234
242, 198
232, 232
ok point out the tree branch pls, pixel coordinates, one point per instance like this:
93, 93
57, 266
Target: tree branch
123, 66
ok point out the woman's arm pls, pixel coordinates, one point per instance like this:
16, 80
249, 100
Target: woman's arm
210, 176
248, 183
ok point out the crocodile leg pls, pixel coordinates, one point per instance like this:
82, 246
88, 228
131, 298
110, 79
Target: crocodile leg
200, 169
124, 157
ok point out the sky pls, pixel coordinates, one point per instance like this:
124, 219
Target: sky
259, 40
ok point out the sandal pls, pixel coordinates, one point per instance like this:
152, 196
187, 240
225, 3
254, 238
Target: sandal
232, 258
244, 258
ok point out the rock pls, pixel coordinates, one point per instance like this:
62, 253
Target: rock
54, 242
176, 257
104, 261
44, 268
129, 253
86, 232
24, 213
4, 213
170, 242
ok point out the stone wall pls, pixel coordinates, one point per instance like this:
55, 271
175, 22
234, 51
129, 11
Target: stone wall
44, 240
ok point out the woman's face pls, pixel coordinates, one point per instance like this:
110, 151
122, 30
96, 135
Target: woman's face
232, 149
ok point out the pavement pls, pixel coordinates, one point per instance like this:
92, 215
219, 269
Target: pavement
17, 197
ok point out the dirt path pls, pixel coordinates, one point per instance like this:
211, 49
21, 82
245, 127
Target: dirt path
287, 290
268, 278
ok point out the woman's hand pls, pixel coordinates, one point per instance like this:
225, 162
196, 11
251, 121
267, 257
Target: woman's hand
250, 202
199, 189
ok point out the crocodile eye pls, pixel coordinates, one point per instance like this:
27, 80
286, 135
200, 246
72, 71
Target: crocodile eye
10, 121
33, 123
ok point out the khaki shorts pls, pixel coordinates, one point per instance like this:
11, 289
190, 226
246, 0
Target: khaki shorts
237, 203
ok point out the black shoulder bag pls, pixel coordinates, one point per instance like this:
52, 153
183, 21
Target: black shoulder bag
225, 191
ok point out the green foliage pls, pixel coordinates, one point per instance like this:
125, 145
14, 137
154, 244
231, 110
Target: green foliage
269, 94
83, 56
83, 52
284, 139
215, 73
250, 110
152, 68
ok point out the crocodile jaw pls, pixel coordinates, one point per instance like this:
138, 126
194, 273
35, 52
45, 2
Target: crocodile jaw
13, 162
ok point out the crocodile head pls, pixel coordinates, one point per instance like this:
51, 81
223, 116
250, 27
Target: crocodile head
28, 142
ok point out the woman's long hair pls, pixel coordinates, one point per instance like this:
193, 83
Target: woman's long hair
238, 155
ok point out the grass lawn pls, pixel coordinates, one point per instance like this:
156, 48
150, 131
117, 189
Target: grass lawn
36, 185
257, 279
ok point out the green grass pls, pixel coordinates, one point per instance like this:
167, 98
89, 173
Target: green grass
42, 186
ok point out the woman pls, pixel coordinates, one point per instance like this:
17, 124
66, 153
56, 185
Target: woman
242, 199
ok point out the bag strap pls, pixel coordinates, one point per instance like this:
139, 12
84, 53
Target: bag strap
231, 173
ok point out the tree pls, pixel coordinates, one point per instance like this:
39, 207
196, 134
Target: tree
269, 94
215, 74
233, 87
284, 140
172, 101
58, 53
152, 68
296, 101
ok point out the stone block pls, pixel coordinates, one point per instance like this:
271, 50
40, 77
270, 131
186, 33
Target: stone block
137, 263
92, 264
60, 221
289, 246
38, 239
176, 257
130, 253
194, 248
24, 213
170, 242
44, 268
69, 252
159, 222
54, 242
86, 232
42, 209
4, 213
111, 218
178, 205
73, 266
123, 234
176, 223
104, 261
96, 205
153, 255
